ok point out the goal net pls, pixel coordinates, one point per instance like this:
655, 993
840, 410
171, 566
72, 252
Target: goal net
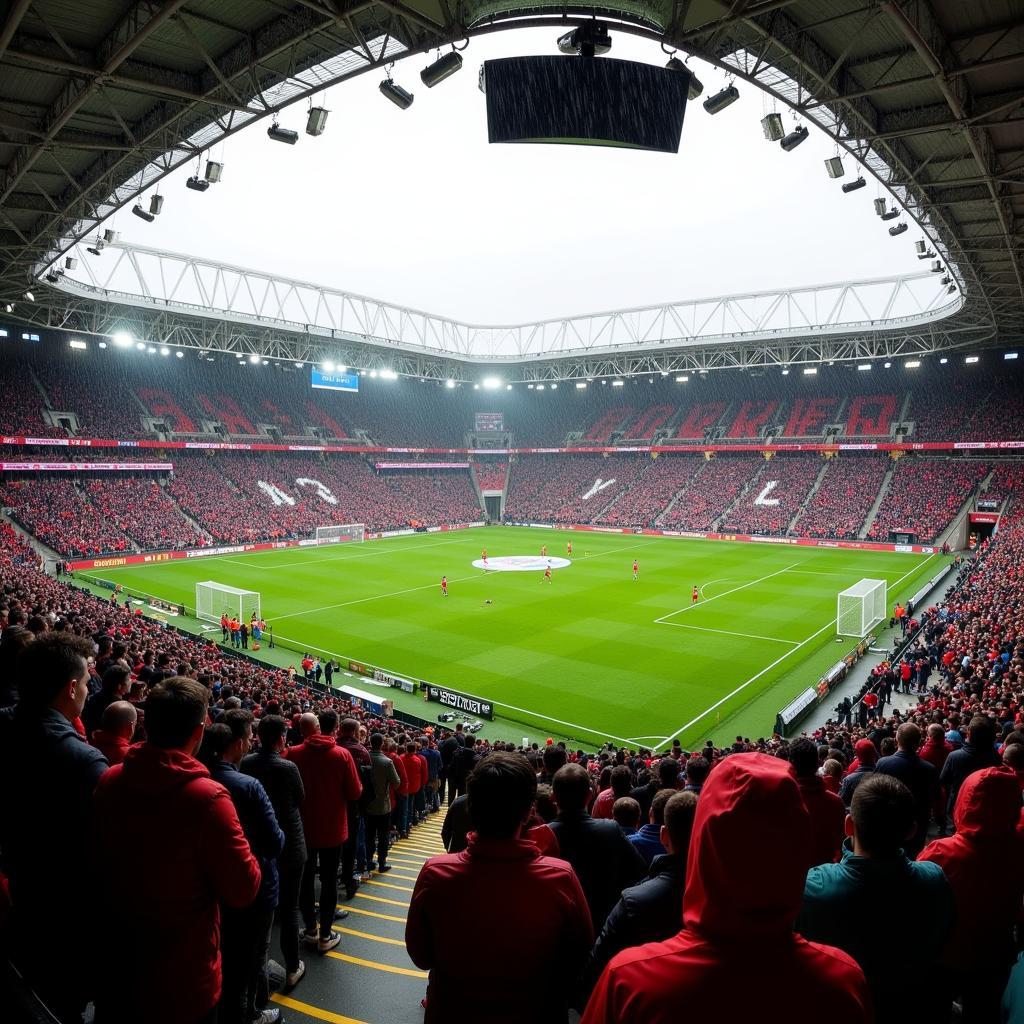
216, 599
336, 534
861, 607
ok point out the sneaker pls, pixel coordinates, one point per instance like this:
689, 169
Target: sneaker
383, 868
311, 936
324, 945
294, 977
340, 915
365, 876
271, 1015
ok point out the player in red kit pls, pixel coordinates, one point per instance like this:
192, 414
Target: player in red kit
636, 570
568, 549
696, 596
544, 551
483, 557
444, 586
547, 574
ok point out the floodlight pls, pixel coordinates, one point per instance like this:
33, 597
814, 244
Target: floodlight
75, 343
891, 215
180, 354
156, 203
921, 246
29, 297
696, 86
554, 387
197, 184
279, 134
951, 289
316, 121
94, 249
150, 349
852, 186
771, 125
490, 383
70, 262
946, 280
1009, 355
925, 255
898, 229
618, 383
141, 346
834, 167
449, 384
785, 371
122, 339
299, 366
722, 99
794, 138
328, 366
254, 359
164, 350
387, 375
103, 344
110, 236
886, 364
937, 267
682, 379
442, 68
809, 371
588, 40
401, 98
214, 169
540, 387
912, 364
143, 214
580, 385
54, 276
864, 366
266, 362
508, 387
971, 359
9, 307
943, 360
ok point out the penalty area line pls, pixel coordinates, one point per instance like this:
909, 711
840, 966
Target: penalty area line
726, 593
729, 632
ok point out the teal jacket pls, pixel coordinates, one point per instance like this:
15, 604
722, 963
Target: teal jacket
892, 915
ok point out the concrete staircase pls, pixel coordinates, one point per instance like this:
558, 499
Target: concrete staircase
46, 554
873, 511
810, 494
202, 531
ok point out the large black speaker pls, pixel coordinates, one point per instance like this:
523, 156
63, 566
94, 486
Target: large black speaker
588, 101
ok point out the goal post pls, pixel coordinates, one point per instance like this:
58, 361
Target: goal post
346, 532
861, 607
216, 599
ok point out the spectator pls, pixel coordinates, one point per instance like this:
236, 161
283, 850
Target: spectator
604, 860
697, 771
456, 825
861, 767
433, 758
47, 777
824, 807
386, 782
935, 750
648, 840
161, 809
283, 784
738, 924
651, 911
978, 752
984, 864
918, 776
626, 814
245, 933
117, 727
329, 780
875, 872
463, 761
115, 685
621, 784
666, 776
347, 738
545, 930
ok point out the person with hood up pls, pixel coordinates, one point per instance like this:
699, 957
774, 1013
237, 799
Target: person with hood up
984, 863
161, 809
739, 906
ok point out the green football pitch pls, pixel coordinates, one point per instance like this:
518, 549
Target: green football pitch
593, 655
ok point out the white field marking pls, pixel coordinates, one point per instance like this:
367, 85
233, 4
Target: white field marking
726, 593
729, 632
375, 597
724, 579
828, 625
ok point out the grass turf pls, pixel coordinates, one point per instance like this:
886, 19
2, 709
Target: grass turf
592, 656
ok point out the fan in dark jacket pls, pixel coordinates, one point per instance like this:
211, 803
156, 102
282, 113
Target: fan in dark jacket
652, 910
978, 752
283, 783
605, 861
918, 776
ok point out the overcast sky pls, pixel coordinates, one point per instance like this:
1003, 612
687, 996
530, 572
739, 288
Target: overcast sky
416, 207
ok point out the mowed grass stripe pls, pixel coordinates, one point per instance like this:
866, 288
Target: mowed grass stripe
584, 651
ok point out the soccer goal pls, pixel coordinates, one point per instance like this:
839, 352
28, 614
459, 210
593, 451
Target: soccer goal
336, 534
861, 607
216, 599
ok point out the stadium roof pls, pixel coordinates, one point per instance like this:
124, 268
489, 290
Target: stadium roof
98, 100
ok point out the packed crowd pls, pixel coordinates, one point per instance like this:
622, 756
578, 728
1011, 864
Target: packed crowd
924, 495
984, 410
490, 475
769, 506
143, 511
664, 478
840, 506
711, 492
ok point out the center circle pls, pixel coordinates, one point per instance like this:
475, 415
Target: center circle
522, 563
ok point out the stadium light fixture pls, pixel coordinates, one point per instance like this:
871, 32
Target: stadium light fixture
299, 366
442, 68
401, 98
279, 134
373, 373
9, 307
529, 387
951, 289
450, 384
78, 344
852, 186
180, 354
151, 349
943, 361
341, 368
618, 383
810, 371
696, 86
580, 385
890, 214
508, 387
328, 366
554, 387
388, 375
164, 350
110, 235
794, 138
214, 170
886, 364
588, 40
771, 125
96, 249
156, 204
937, 267
785, 371
122, 339
29, 297
491, 383
540, 387
898, 229
197, 184
834, 167
971, 359
921, 246
143, 214
1009, 355
254, 359
722, 99
266, 362
912, 364
70, 262
316, 121
103, 344
682, 379
864, 366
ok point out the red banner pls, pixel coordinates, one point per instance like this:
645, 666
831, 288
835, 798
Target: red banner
80, 467
984, 517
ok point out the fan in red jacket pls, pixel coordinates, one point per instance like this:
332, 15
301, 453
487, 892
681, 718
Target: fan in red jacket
984, 863
828, 815
161, 811
739, 907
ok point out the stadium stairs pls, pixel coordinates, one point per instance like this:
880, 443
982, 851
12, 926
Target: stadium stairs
196, 525
879, 498
951, 531
818, 480
675, 497
46, 553
724, 517
368, 978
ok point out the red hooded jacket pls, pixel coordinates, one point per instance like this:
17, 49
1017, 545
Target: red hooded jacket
161, 811
828, 820
935, 753
413, 772
527, 967
331, 780
984, 863
740, 902
113, 748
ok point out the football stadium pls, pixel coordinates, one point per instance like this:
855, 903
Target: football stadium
511, 511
